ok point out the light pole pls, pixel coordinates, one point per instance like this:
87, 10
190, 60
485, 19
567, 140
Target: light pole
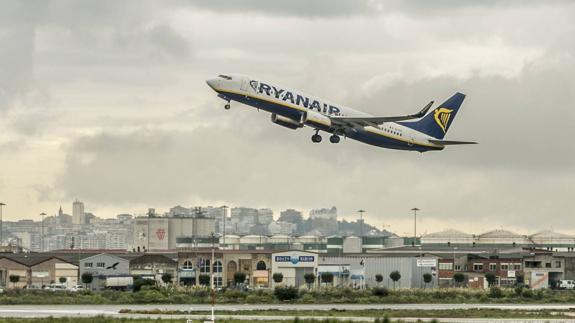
42, 233
225, 207
414, 224
361, 212
1, 240
212, 280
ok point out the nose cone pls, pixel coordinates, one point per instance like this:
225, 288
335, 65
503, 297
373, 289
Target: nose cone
213, 83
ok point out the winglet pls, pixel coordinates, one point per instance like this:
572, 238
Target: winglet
425, 109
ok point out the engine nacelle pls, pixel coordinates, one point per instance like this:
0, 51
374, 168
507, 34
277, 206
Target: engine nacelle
316, 119
286, 122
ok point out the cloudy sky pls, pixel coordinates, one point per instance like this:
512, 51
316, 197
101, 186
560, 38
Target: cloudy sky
105, 101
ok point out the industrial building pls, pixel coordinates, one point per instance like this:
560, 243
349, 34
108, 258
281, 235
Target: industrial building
501, 239
161, 233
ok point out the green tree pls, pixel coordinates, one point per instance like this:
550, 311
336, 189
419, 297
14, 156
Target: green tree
204, 280
62, 280
395, 276
326, 278
427, 278
167, 278
490, 277
140, 282
14, 279
309, 279
87, 278
458, 278
239, 278
278, 277
378, 278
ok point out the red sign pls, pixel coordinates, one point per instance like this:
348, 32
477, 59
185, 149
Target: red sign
160, 233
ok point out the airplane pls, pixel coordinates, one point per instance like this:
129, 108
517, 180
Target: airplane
293, 109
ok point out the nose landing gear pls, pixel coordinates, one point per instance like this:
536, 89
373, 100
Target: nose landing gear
227, 106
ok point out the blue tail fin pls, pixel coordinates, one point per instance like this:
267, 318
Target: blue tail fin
437, 122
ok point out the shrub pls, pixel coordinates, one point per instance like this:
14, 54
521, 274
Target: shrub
204, 279
378, 278
167, 278
309, 279
140, 282
87, 278
380, 291
458, 278
495, 292
278, 277
395, 276
527, 293
427, 278
14, 279
288, 293
62, 280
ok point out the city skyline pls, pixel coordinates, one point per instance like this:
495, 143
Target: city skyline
113, 109
307, 215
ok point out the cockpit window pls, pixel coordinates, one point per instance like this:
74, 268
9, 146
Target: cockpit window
225, 77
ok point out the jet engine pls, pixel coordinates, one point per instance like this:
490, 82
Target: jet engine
286, 122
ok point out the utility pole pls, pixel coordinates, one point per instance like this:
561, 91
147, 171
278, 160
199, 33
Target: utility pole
42, 234
361, 212
1, 236
414, 224
212, 280
225, 207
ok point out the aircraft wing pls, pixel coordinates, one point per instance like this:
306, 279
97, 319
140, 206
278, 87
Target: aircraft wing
375, 121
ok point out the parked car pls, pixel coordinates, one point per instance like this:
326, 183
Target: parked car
77, 288
56, 287
33, 287
566, 284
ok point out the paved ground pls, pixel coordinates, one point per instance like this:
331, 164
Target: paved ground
36, 311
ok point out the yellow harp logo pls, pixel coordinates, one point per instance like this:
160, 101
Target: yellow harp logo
442, 116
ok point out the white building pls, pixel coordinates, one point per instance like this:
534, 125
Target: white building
326, 214
280, 227
78, 215
265, 216
293, 265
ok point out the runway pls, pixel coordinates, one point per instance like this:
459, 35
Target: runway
39, 311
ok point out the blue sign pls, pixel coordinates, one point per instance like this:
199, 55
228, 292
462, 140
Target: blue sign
294, 260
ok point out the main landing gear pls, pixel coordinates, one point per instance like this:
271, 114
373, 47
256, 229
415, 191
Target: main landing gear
334, 139
316, 138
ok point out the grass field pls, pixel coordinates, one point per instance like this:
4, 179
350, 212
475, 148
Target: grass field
302, 296
459, 313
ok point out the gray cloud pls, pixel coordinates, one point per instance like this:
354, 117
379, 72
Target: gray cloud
118, 89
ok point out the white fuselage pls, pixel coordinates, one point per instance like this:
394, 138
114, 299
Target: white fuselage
292, 104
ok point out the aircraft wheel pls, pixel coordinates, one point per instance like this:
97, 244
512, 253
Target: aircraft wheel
227, 106
334, 139
316, 138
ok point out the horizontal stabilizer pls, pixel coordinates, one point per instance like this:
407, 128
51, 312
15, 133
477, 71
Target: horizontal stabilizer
451, 142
